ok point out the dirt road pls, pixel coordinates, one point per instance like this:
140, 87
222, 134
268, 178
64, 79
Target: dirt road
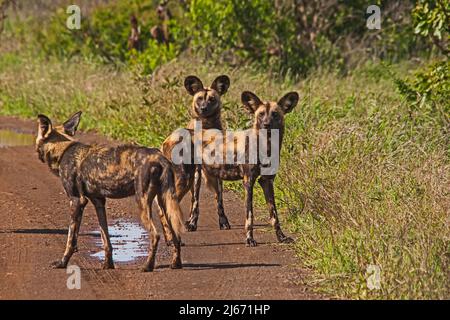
217, 265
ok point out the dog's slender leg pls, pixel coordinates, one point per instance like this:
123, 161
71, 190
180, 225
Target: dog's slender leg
195, 200
176, 241
248, 182
223, 220
215, 184
167, 230
267, 186
141, 185
77, 205
99, 204
164, 222
146, 217
146, 190
77, 229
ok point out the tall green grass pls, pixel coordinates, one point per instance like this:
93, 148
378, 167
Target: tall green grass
365, 180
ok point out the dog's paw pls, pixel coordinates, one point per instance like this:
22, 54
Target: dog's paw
58, 265
224, 224
147, 268
176, 265
170, 243
108, 265
251, 242
191, 227
284, 239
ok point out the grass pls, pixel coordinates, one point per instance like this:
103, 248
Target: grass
370, 188
364, 176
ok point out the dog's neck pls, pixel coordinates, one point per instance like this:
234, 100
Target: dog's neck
269, 138
214, 121
53, 153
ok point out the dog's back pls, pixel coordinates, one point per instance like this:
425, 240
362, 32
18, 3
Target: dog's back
112, 171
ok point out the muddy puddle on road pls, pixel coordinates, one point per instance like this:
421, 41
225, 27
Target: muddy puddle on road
129, 241
10, 138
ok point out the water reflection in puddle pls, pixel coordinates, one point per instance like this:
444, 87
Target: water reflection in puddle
9, 138
129, 241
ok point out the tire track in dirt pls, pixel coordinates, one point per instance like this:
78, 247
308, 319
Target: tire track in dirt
217, 265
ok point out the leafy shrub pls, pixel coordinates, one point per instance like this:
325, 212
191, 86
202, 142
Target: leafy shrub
431, 19
104, 36
285, 37
297, 36
56, 39
431, 83
259, 31
153, 56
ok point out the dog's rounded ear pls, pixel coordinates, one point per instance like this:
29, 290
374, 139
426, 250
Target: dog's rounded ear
221, 84
289, 101
71, 125
250, 101
44, 126
193, 85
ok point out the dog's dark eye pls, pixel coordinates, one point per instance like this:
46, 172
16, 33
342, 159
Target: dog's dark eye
212, 99
261, 114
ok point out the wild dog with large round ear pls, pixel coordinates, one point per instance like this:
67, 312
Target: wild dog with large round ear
71, 125
206, 101
55, 138
93, 173
206, 108
267, 115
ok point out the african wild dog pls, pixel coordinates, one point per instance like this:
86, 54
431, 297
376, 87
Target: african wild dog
133, 40
91, 172
160, 32
268, 115
268, 123
206, 109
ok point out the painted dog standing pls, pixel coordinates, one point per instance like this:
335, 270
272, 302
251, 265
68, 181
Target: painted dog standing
206, 109
94, 173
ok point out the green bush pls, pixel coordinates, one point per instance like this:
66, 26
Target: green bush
153, 56
430, 84
431, 19
259, 31
289, 37
104, 36
298, 36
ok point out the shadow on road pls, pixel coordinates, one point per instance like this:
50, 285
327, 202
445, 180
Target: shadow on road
36, 231
53, 231
207, 266
241, 243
